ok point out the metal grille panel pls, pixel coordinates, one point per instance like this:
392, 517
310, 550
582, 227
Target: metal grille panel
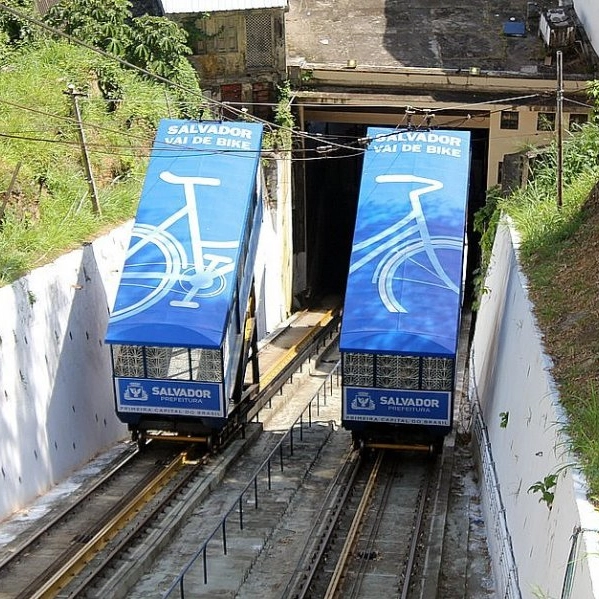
259, 40
398, 372
437, 374
167, 363
206, 365
128, 361
358, 370
157, 362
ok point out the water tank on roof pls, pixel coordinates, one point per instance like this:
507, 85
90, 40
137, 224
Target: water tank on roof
556, 28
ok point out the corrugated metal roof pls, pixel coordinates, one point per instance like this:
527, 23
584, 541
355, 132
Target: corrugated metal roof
199, 6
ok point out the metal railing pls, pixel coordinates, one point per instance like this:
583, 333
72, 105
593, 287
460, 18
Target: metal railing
499, 538
319, 398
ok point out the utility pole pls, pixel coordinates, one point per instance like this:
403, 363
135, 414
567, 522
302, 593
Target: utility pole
8, 192
558, 125
86, 162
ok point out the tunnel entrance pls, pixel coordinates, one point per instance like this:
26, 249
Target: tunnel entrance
332, 186
332, 166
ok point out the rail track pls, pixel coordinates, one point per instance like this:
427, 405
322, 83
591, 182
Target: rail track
373, 545
144, 492
289, 497
57, 552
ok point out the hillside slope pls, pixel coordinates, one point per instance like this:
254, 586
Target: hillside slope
565, 292
45, 195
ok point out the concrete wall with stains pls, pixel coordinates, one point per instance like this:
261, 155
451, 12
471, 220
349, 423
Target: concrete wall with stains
55, 381
56, 395
539, 548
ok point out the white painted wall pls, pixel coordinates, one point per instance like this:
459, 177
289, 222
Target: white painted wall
56, 398
588, 13
509, 373
273, 271
56, 395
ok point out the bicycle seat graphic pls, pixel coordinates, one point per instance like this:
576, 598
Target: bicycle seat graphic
172, 258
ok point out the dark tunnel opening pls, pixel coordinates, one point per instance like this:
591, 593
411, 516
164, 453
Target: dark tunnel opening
332, 188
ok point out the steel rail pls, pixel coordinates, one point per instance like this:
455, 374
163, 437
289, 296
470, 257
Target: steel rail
265, 466
18, 551
373, 533
414, 542
336, 497
77, 588
78, 560
354, 529
74, 561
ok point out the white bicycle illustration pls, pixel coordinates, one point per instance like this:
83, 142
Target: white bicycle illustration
158, 263
408, 242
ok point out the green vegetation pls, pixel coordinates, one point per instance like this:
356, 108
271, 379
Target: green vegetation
281, 138
125, 74
45, 197
546, 489
560, 254
49, 208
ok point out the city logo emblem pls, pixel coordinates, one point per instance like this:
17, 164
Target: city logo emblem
135, 392
362, 401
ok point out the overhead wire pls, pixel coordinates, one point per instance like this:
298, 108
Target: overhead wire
91, 125
204, 99
409, 110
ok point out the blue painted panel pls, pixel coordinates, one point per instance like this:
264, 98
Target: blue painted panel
404, 286
430, 408
178, 280
169, 397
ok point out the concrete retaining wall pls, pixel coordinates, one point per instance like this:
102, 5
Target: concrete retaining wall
56, 395
538, 550
55, 379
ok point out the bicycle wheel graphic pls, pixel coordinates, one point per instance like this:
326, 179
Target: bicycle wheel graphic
206, 283
157, 265
153, 265
430, 267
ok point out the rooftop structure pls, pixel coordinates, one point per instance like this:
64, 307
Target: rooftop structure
490, 35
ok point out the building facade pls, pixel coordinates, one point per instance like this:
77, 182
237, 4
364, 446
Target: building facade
238, 48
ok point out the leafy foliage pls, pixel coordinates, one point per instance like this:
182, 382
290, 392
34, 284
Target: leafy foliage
48, 209
154, 44
485, 224
102, 24
281, 137
15, 31
540, 221
546, 488
159, 46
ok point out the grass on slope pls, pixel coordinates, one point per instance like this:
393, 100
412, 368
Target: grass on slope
560, 252
49, 208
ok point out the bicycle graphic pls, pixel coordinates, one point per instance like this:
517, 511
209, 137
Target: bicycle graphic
158, 263
408, 243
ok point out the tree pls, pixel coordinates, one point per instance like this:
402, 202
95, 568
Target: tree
103, 24
13, 30
154, 44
